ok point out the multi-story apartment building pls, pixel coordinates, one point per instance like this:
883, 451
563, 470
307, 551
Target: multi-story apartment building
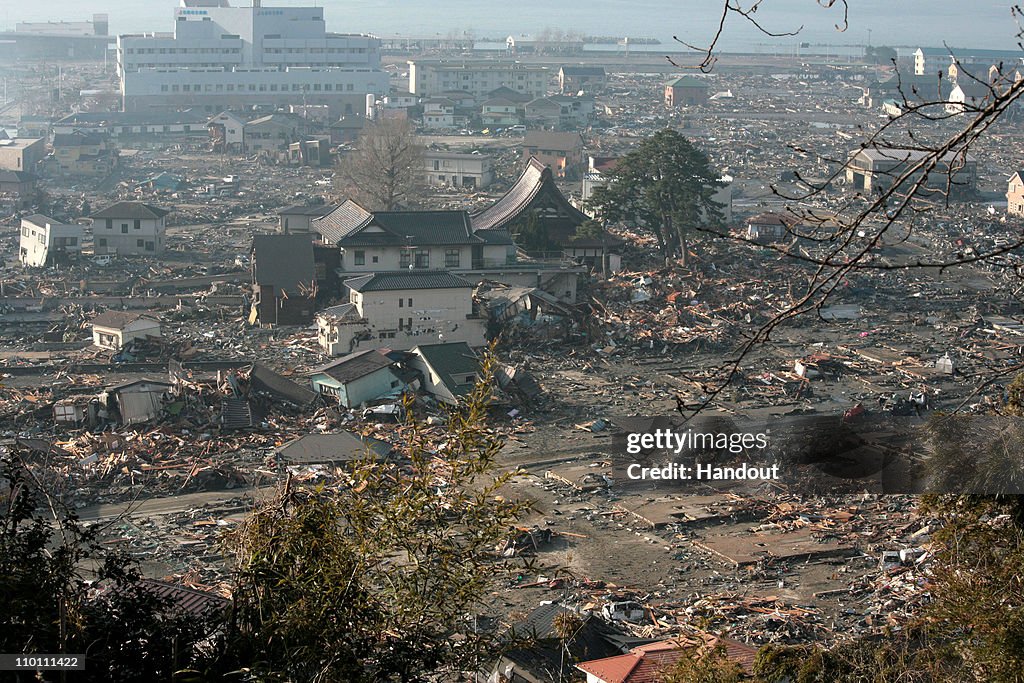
429, 77
221, 57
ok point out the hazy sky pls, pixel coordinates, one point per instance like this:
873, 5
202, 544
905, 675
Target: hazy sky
961, 23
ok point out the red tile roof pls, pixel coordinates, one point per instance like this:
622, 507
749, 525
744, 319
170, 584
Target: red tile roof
647, 663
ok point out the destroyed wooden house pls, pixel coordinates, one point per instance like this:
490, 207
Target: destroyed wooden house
115, 329
138, 401
548, 655
283, 280
449, 371
357, 378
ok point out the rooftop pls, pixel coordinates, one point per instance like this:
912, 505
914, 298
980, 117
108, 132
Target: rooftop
407, 279
353, 366
133, 210
119, 319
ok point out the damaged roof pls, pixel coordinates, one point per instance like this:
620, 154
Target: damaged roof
353, 366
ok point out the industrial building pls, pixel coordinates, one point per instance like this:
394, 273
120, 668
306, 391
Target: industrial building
221, 57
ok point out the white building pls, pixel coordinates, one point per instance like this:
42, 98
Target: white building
400, 310
429, 77
129, 229
459, 169
45, 242
113, 329
439, 112
221, 57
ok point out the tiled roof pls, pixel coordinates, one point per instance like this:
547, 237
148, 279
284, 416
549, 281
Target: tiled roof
407, 279
190, 600
283, 262
355, 365
131, 210
648, 663
536, 178
341, 312
343, 220
452, 362
415, 228
506, 209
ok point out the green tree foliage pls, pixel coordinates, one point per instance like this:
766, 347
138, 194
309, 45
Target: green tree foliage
534, 237
64, 592
379, 579
666, 186
710, 666
591, 229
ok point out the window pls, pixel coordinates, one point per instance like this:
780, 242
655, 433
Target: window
110, 224
140, 243
401, 302
360, 258
405, 260
138, 224
124, 228
376, 259
451, 258
103, 241
409, 304
423, 259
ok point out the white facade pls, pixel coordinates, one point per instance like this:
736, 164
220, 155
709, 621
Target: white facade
438, 114
478, 78
401, 319
44, 241
114, 337
129, 236
460, 170
453, 257
219, 57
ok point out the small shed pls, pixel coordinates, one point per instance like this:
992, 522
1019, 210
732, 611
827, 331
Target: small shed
138, 401
113, 329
